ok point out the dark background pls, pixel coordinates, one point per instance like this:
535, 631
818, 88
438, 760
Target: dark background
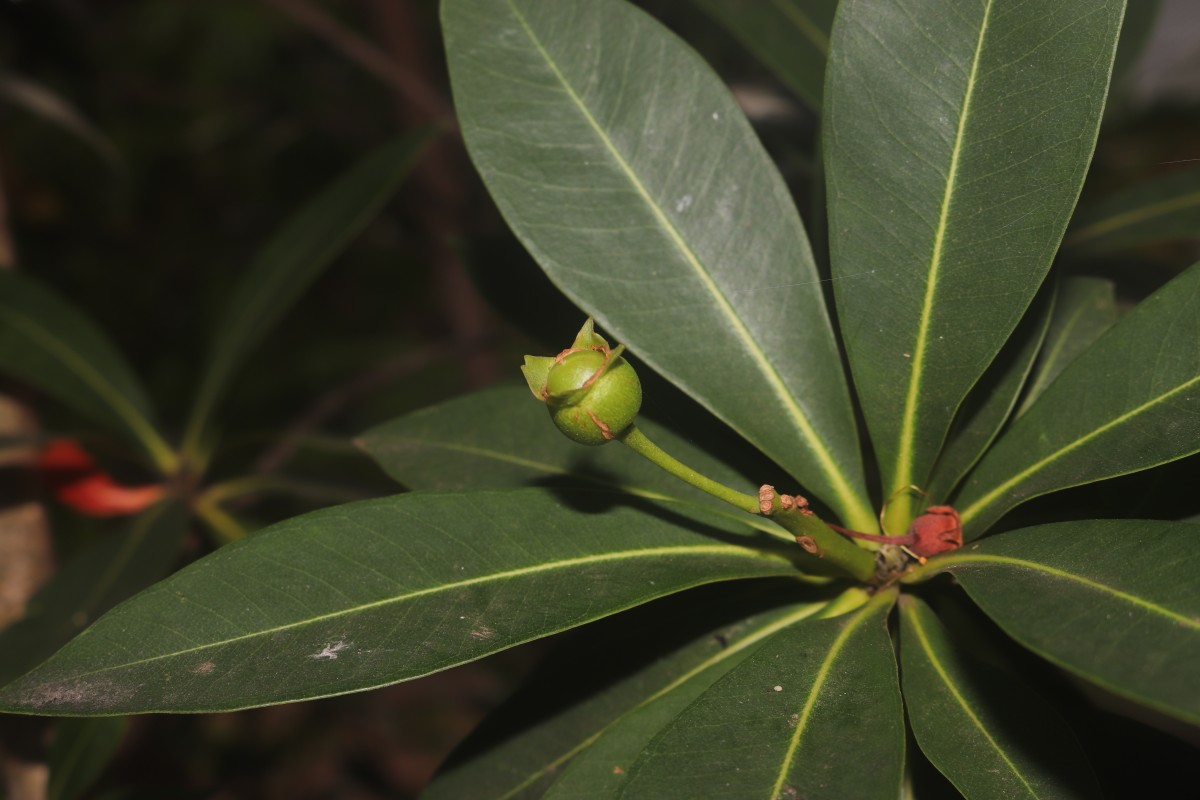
207, 123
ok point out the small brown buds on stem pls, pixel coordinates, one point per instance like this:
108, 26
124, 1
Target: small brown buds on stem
813, 535
766, 499
809, 545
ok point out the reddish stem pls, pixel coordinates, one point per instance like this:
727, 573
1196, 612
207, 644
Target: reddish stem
908, 538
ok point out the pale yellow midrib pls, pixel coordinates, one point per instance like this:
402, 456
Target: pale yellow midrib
904, 456
649, 552
958, 698
731, 650
835, 650
983, 502
830, 468
1096, 586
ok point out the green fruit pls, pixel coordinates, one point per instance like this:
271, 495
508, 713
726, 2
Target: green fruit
591, 392
591, 399
573, 372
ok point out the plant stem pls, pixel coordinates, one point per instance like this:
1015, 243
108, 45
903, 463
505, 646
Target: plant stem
820, 540
166, 459
811, 533
639, 443
224, 527
220, 492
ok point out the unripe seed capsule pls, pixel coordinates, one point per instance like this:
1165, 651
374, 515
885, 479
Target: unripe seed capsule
591, 392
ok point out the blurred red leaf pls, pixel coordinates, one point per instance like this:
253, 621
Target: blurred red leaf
65, 455
79, 484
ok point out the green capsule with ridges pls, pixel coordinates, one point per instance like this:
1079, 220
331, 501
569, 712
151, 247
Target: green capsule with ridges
592, 393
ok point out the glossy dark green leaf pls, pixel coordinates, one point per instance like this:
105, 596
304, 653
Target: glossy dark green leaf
297, 254
602, 769
627, 170
574, 749
1085, 308
51, 345
82, 749
789, 37
990, 735
94, 580
502, 437
1158, 210
1115, 601
1129, 402
498, 438
371, 593
956, 135
814, 712
991, 401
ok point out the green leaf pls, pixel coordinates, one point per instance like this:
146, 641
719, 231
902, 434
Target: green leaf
50, 344
813, 712
602, 709
985, 731
1129, 402
1084, 309
496, 439
82, 749
295, 257
502, 438
1158, 210
371, 593
94, 580
627, 170
789, 37
956, 137
1115, 601
591, 772
991, 401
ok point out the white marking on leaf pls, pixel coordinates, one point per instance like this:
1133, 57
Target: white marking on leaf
329, 652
